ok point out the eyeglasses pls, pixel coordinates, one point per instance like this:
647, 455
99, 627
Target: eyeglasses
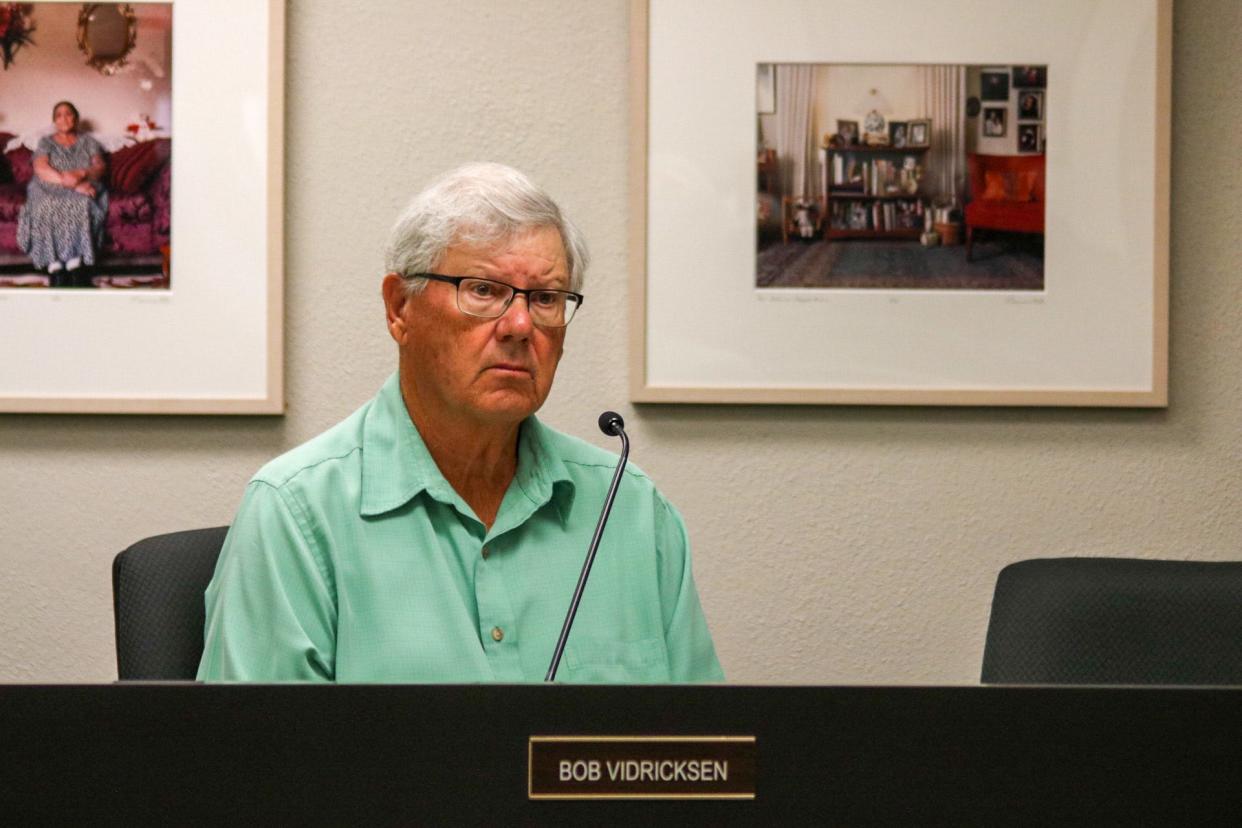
489, 299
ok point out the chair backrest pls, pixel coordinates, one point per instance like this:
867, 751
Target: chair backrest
157, 602
1008, 167
1115, 621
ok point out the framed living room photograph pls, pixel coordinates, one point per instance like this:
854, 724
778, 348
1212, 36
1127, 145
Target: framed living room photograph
141, 208
967, 271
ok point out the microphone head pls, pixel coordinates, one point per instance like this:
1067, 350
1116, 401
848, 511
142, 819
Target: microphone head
610, 423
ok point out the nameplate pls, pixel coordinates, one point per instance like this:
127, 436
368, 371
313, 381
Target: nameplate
641, 767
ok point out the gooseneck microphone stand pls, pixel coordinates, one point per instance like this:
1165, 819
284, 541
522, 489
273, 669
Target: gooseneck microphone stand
610, 423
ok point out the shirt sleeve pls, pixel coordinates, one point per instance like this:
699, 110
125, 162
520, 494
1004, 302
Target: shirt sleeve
271, 610
691, 654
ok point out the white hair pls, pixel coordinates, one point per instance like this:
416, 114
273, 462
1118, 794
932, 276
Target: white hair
476, 204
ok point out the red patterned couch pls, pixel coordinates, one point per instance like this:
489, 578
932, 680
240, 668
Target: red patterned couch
1007, 193
139, 201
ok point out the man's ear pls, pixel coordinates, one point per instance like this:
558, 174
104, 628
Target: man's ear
395, 301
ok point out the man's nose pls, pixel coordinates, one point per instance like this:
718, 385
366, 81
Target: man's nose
516, 321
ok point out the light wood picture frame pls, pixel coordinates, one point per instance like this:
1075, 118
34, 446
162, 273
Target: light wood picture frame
700, 331
212, 343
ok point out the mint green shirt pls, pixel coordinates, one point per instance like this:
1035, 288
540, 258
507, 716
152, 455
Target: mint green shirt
351, 559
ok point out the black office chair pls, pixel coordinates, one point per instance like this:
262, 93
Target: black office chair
1115, 621
157, 602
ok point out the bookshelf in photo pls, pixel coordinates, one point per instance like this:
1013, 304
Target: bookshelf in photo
872, 192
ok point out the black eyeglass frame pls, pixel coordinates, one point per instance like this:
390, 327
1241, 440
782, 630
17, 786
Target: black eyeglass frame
456, 281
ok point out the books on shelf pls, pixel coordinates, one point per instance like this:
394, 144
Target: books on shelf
882, 216
876, 176
871, 191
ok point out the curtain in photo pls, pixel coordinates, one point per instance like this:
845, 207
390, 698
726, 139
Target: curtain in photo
795, 145
944, 101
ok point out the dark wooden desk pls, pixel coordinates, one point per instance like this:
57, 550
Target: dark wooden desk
372, 755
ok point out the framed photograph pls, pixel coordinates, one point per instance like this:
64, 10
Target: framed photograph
110, 225
705, 330
847, 133
1030, 77
994, 121
898, 134
1030, 105
765, 89
868, 232
994, 85
1028, 138
920, 133
147, 277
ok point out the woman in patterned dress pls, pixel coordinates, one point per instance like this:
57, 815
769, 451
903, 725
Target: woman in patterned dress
61, 226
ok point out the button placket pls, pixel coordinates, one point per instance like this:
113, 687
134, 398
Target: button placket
497, 623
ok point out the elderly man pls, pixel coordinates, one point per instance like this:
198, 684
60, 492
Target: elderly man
437, 533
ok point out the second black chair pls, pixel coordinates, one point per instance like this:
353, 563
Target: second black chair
157, 602
1115, 621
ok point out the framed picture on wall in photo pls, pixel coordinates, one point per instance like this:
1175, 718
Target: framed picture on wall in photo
1030, 105
898, 133
1030, 77
847, 133
141, 233
994, 85
920, 133
863, 311
1028, 138
994, 121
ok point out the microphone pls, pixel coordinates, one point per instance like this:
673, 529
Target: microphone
610, 423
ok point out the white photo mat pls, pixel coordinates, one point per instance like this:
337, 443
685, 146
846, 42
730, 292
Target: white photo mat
213, 342
1096, 335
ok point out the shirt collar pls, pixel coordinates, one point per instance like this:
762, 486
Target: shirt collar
396, 465
541, 474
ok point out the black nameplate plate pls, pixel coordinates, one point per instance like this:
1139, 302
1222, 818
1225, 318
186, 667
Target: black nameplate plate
641, 767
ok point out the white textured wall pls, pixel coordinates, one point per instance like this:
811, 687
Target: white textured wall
832, 544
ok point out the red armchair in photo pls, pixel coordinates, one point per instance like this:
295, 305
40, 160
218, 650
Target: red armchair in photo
1007, 194
139, 201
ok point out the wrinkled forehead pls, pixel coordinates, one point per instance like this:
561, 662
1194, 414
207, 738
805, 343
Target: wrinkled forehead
538, 244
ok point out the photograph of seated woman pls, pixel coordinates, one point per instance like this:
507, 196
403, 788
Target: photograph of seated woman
62, 223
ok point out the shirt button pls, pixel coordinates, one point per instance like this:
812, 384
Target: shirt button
497, 634
486, 553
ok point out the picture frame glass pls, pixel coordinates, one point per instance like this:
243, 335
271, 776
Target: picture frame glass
994, 121
995, 85
1092, 335
209, 341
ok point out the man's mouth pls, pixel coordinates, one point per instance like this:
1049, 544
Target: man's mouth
510, 368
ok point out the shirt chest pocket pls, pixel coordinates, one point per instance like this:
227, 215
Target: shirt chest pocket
609, 661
